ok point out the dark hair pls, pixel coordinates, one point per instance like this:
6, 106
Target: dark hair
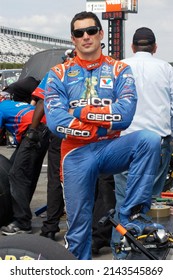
84, 15
149, 48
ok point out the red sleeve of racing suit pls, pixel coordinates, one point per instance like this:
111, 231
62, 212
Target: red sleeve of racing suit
39, 91
119, 114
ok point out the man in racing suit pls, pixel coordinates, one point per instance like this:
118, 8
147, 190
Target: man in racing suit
88, 102
104, 194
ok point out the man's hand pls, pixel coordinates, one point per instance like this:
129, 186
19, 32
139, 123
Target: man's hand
110, 132
71, 111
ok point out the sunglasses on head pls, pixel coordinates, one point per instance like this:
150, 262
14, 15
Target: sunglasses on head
91, 30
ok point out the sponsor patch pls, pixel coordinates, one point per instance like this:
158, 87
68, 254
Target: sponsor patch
93, 65
120, 67
106, 83
73, 73
58, 70
127, 75
50, 80
129, 81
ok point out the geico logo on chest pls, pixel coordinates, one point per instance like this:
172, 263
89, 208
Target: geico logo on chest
92, 101
103, 117
74, 132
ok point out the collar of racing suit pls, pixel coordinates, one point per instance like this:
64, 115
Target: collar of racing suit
90, 65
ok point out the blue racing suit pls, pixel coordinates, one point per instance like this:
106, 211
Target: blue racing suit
16, 117
88, 104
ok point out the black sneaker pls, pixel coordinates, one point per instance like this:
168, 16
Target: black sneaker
97, 246
12, 229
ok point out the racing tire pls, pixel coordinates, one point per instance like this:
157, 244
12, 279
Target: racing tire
32, 247
5, 195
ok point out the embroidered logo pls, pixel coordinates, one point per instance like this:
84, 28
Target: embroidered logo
106, 83
73, 73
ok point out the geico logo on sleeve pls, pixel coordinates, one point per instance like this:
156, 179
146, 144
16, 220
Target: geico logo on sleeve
74, 132
104, 117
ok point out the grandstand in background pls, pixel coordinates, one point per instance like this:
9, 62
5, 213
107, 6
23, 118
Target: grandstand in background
17, 46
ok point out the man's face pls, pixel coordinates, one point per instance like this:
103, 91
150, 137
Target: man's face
87, 46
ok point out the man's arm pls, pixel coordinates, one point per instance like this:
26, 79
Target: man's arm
38, 101
32, 133
38, 114
59, 120
118, 115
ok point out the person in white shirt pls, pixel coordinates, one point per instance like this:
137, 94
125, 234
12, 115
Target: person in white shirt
154, 83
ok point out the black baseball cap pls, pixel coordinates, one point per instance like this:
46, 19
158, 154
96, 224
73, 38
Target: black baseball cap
143, 36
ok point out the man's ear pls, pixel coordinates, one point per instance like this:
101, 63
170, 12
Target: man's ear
133, 48
155, 48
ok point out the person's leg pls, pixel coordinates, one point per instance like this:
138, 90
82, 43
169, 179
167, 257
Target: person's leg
120, 190
163, 167
41, 151
139, 153
104, 201
120, 187
23, 177
55, 201
145, 160
20, 178
80, 174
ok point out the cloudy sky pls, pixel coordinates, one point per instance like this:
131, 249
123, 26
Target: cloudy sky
53, 18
